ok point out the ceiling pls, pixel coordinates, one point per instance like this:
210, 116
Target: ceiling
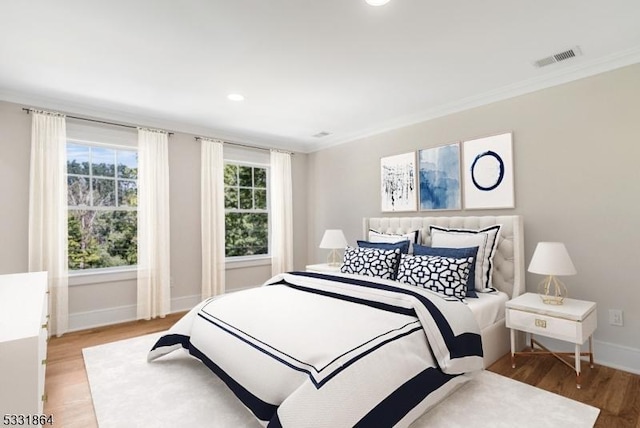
304, 67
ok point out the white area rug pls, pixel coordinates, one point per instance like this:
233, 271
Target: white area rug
179, 391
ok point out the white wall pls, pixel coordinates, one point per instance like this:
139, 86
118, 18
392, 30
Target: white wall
576, 151
102, 303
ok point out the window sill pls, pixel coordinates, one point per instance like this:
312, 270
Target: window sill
247, 262
129, 273
99, 276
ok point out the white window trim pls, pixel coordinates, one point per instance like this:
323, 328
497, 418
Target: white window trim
102, 275
239, 262
111, 274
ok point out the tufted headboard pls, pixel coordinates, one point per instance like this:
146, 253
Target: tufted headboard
508, 261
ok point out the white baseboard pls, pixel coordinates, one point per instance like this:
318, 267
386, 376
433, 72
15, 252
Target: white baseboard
606, 354
116, 315
101, 317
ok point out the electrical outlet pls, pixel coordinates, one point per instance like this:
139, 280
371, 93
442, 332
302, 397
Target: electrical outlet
615, 317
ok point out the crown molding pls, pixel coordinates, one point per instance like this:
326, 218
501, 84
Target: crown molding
128, 115
559, 77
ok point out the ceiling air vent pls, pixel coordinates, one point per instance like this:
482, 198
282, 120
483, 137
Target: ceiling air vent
321, 134
561, 56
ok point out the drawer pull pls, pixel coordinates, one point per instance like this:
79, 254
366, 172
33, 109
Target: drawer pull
541, 323
45, 325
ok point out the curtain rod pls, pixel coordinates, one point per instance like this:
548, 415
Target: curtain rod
248, 146
28, 110
233, 143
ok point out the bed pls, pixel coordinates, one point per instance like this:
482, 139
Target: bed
508, 267
312, 349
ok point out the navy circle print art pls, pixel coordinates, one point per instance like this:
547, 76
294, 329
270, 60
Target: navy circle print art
487, 171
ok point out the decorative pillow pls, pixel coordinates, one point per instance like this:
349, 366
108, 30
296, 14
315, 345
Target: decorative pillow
412, 237
402, 245
456, 253
485, 239
371, 262
444, 275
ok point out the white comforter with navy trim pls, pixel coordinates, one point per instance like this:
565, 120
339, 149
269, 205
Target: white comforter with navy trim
320, 350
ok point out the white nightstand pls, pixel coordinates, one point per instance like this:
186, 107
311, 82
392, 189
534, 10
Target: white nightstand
574, 321
322, 268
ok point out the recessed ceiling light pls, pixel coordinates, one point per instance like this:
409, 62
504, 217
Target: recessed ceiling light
377, 2
235, 97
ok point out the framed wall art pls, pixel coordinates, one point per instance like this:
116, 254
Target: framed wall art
439, 178
488, 172
398, 183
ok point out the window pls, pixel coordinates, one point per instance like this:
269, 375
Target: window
102, 200
247, 214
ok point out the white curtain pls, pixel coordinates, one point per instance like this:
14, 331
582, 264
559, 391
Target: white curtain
48, 212
212, 217
281, 213
153, 224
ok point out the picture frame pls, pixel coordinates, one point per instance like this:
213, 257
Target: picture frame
398, 189
439, 178
488, 172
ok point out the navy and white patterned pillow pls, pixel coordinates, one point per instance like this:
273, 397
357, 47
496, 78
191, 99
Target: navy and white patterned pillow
444, 275
371, 262
456, 253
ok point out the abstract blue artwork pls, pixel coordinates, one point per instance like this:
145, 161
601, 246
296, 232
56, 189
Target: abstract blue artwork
439, 178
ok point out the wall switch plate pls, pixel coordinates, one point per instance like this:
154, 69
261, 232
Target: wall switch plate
615, 317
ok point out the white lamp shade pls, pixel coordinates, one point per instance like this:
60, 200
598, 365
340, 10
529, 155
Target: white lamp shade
551, 258
333, 238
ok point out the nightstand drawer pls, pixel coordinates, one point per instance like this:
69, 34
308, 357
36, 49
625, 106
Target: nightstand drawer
544, 325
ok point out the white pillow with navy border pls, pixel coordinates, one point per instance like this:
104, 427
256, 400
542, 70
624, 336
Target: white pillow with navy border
391, 238
485, 239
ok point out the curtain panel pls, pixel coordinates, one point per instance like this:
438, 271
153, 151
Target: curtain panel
281, 209
48, 212
212, 217
154, 279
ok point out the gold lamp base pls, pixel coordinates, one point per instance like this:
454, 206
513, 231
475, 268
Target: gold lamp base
552, 291
334, 258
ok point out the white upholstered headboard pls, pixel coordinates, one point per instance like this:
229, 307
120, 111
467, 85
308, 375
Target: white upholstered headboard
508, 261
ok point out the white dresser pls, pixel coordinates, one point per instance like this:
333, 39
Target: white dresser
23, 342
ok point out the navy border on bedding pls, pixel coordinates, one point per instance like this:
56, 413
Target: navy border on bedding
262, 410
318, 384
396, 405
464, 345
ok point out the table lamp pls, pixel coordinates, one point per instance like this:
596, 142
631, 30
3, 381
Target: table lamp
552, 259
333, 239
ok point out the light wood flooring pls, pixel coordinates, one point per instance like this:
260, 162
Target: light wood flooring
66, 384
615, 392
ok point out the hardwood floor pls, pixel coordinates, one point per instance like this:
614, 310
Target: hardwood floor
615, 392
66, 384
